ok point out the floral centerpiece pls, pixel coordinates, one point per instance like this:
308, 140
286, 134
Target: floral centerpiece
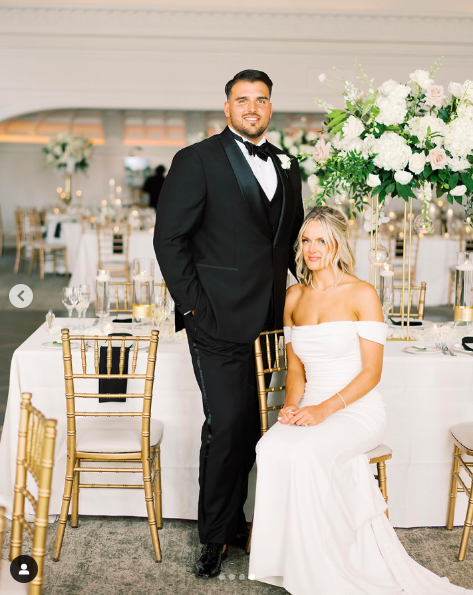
300, 145
65, 150
69, 153
404, 140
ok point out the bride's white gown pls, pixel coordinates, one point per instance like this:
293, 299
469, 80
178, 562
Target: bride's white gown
319, 525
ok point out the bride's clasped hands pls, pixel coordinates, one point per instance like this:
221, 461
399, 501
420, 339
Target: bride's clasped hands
311, 415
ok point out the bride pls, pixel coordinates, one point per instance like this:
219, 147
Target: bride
319, 525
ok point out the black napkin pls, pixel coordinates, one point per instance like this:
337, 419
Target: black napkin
411, 322
123, 320
113, 385
466, 342
57, 232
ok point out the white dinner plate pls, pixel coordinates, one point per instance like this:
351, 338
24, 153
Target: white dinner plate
425, 323
57, 345
458, 347
427, 349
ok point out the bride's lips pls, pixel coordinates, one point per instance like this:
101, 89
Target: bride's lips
314, 258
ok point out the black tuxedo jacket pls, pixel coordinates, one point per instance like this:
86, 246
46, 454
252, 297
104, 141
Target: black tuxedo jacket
214, 243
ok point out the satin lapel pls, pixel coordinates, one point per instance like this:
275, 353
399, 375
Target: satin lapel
247, 182
287, 192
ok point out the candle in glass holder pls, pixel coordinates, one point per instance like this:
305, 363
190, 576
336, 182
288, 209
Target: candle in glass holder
102, 295
463, 309
386, 288
143, 288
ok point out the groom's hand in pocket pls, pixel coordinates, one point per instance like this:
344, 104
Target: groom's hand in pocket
287, 413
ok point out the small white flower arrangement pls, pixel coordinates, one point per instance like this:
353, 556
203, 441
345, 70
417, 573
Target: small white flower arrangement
69, 152
402, 140
299, 146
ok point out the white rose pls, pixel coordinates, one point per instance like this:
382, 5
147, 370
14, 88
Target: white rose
308, 166
458, 191
403, 177
468, 90
294, 151
438, 158
313, 182
322, 150
434, 96
311, 136
357, 145
372, 181
422, 78
456, 89
285, 161
352, 128
417, 163
322, 77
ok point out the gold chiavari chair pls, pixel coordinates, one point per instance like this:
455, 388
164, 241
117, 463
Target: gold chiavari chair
36, 440
2, 531
408, 301
111, 442
277, 353
20, 237
396, 248
121, 297
41, 249
462, 435
113, 248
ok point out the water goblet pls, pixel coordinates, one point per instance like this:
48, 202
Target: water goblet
159, 309
70, 298
83, 304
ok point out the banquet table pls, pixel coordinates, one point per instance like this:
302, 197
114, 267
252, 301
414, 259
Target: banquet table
424, 394
437, 254
86, 264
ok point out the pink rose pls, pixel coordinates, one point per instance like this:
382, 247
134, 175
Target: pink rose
438, 158
322, 150
434, 96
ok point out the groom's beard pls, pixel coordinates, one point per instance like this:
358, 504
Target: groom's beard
249, 130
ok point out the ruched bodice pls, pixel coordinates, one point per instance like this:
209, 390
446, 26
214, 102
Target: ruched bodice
331, 354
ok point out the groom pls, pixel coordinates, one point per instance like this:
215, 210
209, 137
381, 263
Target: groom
227, 219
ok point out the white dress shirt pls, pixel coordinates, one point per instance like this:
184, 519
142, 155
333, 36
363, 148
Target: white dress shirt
264, 171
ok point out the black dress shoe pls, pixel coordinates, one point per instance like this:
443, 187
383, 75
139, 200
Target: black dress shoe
241, 540
210, 562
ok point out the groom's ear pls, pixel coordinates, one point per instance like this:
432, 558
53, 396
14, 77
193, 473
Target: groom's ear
226, 109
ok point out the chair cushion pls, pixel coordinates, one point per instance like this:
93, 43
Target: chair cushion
463, 433
8, 585
380, 451
114, 434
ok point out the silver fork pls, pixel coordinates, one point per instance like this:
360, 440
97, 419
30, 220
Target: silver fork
441, 347
448, 351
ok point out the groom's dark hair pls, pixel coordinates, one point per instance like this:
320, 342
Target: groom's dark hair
251, 76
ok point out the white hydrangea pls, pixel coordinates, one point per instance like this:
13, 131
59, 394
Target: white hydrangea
392, 111
352, 128
345, 145
392, 151
418, 127
422, 78
459, 137
458, 163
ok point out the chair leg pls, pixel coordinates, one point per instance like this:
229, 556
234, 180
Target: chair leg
41, 264
248, 545
382, 482
158, 489
466, 527
66, 501
32, 261
64, 256
453, 487
75, 498
17, 261
150, 507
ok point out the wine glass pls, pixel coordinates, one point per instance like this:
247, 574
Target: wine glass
83, 303
70, 297
159, 309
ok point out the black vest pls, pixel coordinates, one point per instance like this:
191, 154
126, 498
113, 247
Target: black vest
274, 206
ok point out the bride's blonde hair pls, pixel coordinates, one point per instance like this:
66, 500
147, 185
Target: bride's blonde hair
335, 233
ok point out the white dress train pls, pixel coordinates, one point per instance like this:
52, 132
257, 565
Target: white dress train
319, 526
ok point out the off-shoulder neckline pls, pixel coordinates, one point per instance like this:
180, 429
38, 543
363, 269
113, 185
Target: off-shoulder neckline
338, 322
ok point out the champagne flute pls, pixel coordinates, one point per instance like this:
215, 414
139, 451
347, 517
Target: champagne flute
70, 298
83, 304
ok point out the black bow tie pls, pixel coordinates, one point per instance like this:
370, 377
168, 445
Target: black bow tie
262, 151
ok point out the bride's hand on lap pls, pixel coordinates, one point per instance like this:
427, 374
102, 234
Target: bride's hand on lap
310, 416
287, 413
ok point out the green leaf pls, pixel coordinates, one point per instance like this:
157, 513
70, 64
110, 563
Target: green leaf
402, 190
459, 199
443, 114
450, 198
433, 178
453, 180
443, 175
467, 180
337, 128
390, 188
337, 120
427, 171
377, 189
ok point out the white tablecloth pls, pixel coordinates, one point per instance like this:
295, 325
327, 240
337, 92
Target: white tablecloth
436, 256
425, 395
70, 237
85, 268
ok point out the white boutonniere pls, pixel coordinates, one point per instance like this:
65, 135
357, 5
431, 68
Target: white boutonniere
285, 161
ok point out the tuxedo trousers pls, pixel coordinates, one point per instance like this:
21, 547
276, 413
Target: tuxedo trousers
226, 374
